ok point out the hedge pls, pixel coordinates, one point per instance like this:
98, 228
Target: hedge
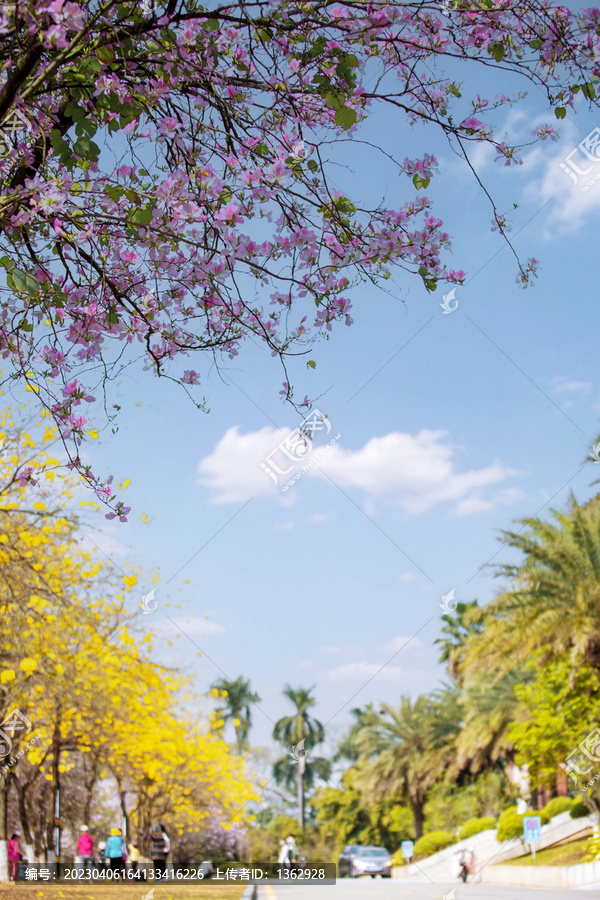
432, 842
510, 825
475, 826
559, 805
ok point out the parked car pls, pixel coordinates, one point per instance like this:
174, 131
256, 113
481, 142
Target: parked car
355, 860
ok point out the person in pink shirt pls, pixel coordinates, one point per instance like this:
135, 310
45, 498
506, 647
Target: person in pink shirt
14, 855
85, 848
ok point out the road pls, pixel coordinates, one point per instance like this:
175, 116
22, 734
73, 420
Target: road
396, 889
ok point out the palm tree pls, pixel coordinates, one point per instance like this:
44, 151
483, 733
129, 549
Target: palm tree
554, 604
490, 709
295, 732
406, 749
461, 626
236, 707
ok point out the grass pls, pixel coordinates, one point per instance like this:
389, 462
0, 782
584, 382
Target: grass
172, 891
565, 855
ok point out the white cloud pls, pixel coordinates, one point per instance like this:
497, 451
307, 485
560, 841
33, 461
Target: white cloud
402, 642
362, 671
283, 526
476, 503
571, 386
346, 650
412, 472
407, 577
571, 206
319, 518
197, 626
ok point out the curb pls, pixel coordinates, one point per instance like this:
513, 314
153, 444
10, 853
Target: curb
250, 892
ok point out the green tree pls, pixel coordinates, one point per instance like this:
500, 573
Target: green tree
461, 625
406, 749
490, 706
237, 707
559, 709
300, 733
553, 603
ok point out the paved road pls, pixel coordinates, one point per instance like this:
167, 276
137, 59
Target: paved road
395, 889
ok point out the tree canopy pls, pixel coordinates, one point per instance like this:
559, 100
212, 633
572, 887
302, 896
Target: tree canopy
166, 189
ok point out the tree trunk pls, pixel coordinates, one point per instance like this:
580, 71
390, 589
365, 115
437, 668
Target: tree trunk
417, 808
4, 785
24, 819
301, 793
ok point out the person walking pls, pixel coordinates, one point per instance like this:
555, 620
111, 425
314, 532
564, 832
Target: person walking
14, 856
167, 841
291, 841
134, 856
85, 849
115, 848
158, 849
284, 855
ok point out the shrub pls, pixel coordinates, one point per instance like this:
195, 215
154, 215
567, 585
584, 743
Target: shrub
474, 826
558, 805
398, 859
510, 825
579, 810
432, 842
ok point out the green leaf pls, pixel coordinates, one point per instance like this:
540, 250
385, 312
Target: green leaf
112, 318
211, 25
7, 262
86, 148
420, 182
25, 282
106, 54
346, 117
75, 112
313, 165
454, 90
311, 363
497, 51
423, 270
142, 216
535, 45
334, 101
560, 112
588, 90
24, 325
225, 195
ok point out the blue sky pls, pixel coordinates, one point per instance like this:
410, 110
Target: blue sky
451, 427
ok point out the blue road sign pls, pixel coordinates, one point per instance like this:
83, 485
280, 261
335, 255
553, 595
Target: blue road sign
407, 848
532, 829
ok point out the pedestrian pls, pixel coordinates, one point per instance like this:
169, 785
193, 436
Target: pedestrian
158, 851
85, 849
115, 848
14, 855
134, 856
167, 841
284, 854
291, 840
102, 855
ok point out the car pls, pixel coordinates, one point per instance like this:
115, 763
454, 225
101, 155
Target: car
355, 860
